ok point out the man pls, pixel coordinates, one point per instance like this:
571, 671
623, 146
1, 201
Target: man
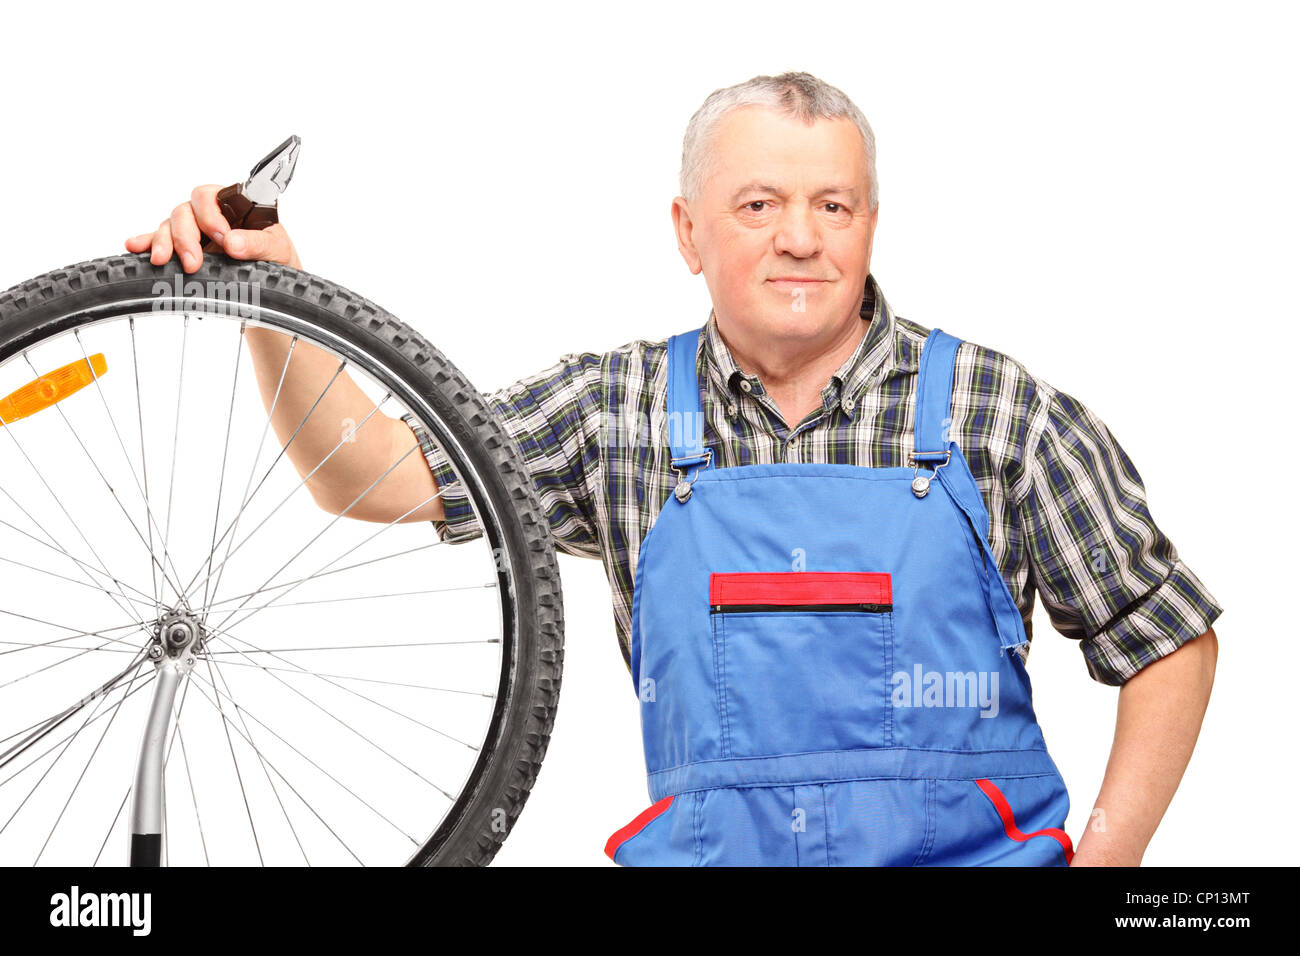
803, 362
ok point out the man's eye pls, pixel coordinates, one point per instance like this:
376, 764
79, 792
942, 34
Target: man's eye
833, 207
756, 206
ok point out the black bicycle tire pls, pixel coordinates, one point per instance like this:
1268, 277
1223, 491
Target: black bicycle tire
476, 826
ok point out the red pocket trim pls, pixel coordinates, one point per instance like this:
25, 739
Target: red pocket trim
1009, 821
643, 820
800, 587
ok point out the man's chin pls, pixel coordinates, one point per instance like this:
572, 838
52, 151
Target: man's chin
783, 322
797, 295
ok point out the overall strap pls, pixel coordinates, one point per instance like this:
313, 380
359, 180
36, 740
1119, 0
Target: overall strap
965, 494
934, 397
932, 443
685, 414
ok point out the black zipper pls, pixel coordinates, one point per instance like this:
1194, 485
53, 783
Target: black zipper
742, 608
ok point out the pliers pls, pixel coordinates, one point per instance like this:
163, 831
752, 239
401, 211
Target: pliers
252, 203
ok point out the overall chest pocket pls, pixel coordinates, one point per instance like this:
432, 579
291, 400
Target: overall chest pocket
801, 660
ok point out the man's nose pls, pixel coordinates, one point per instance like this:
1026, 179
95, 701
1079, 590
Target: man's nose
798, 232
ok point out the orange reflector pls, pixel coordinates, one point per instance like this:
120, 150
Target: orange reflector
50, 388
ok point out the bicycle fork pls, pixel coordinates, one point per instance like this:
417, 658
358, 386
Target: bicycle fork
179, 636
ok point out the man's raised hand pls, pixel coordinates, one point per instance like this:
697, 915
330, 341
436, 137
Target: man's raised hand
184, 230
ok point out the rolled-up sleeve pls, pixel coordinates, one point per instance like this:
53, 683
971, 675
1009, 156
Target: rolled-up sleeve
554, 419
460, 524
1106, 574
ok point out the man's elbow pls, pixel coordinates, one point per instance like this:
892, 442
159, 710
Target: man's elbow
1209, 648
1192, 663
1195, 660
379, 505
332, 499
358, 503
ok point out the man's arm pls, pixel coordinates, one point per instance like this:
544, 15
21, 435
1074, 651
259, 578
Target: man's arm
1159, 718
340, 473
1109, 577
553, 417
305, 390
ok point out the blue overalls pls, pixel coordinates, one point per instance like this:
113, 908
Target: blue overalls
824, 656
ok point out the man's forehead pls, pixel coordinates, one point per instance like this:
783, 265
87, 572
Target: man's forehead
767, 150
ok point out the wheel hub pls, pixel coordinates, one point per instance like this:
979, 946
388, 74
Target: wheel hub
178, 636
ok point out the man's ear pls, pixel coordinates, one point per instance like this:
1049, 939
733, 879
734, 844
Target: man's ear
871, 234
684, 228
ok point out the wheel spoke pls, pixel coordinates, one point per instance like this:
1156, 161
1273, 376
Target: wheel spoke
329, 564
41, 728
278, 656
228, 535
64, 577
144, 462
68, 741
9, 429
59, 663
225, 724
302, 484
368, 680
80, 777
225, 452
194, 796
107, 484
58, 641
370, 597
327, 774
285, 584
176, 435
34, 760
122, 806
366, 647
248, 735
325, 710
151, 521
248, 496
84, 565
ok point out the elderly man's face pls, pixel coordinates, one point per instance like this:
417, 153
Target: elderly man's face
781, 230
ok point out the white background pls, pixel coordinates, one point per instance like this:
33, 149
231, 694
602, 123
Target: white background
1106, 192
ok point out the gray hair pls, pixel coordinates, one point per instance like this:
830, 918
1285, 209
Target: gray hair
800, 95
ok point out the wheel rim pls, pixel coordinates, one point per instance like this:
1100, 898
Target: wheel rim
351, 754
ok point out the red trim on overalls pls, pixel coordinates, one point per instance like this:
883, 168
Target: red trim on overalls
800, 587
1009, 821
643, 820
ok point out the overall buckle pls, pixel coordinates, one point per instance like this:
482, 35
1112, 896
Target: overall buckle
683, 489
921, 483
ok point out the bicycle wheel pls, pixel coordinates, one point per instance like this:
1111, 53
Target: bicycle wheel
187, 638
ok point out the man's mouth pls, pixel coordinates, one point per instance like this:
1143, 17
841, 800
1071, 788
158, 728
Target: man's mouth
793, 282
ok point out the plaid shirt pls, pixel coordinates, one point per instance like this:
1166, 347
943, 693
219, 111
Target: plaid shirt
1067, 511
